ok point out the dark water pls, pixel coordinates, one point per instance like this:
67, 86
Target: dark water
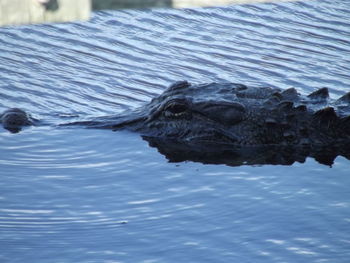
75, 195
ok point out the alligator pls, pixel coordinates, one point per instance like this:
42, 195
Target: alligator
221, 118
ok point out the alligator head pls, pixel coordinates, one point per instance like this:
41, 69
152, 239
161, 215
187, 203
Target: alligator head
235, 124
240, 115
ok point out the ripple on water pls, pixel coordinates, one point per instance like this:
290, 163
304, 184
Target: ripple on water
76, 195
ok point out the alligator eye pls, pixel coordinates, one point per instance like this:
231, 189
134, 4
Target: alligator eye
175, 108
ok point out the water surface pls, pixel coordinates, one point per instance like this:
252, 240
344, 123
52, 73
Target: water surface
77, 195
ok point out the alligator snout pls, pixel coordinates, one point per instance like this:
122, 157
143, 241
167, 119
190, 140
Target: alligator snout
14, 119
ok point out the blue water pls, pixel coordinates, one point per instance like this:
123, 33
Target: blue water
84, 195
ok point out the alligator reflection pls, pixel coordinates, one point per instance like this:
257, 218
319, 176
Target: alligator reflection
232, 155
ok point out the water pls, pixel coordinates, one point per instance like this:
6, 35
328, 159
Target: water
77, 195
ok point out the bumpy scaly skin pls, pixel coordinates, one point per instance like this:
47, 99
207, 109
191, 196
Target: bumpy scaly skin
240, 115
231, 114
